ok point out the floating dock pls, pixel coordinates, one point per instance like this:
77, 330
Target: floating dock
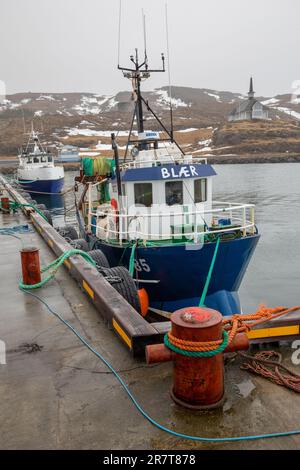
55, 394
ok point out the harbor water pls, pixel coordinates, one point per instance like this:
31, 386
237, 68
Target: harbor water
273, 276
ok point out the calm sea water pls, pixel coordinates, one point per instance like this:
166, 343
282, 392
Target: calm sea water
273, 276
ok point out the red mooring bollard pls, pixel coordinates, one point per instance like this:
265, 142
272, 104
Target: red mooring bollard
31, 270
198, 381
5, 204
156, 353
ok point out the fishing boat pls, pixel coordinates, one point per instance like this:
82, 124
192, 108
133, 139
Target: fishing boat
36, 171
153, 212
68, 154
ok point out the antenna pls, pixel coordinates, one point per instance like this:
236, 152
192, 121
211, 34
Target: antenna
136, 74
119, 32
145, 39
169, 71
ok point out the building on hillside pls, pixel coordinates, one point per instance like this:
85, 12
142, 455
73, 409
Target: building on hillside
249, 109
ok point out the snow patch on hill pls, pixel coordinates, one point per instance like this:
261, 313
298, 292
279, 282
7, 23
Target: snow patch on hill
191, 129
8, 105
270, 101
95, 104
217, 97
75, 131
289, 111
46, 98
165, 100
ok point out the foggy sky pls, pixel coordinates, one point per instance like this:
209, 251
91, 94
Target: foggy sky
71, 45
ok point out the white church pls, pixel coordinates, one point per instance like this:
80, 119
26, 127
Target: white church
249, 109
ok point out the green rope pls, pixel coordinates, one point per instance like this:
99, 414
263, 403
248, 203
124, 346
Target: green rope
131, 260
209, 275
55, 265
15, 205
185, 352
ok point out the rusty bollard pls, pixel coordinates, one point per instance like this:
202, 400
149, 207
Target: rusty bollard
5, 204
31, 270
198, 382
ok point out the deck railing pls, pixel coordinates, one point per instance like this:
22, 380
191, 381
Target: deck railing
163, 160
144, 224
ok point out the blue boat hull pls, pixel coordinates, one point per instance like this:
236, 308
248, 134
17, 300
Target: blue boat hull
182, 272
43, 186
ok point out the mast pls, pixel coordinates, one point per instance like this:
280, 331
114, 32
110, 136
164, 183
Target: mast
140, 72
116, 155
139, 109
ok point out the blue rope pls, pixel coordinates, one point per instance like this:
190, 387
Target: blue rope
139, 407
16, 229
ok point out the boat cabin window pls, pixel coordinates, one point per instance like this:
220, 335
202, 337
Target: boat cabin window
143, 194
36, 160
200, 190
29, 160
174, 193
49, 158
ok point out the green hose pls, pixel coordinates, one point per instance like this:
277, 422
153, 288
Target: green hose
55, 265
15, 205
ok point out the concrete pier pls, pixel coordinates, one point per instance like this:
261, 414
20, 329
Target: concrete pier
55, 394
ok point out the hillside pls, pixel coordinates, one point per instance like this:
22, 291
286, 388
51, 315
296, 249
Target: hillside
200, 119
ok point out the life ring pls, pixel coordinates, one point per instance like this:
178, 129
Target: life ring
113, 219
114, 207
114, 204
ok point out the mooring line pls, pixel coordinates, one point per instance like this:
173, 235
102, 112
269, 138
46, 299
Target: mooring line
140, 408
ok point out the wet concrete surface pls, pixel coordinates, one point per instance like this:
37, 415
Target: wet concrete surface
55, 394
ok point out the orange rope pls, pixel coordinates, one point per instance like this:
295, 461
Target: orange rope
236, 324
267, 364
193, 345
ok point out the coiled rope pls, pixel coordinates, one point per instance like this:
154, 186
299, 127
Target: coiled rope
238, 323
208, 349
267, 364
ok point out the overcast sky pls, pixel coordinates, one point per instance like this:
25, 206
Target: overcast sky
71, 45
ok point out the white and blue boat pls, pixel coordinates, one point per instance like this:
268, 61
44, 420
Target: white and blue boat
36, 171
69, 154
157, 217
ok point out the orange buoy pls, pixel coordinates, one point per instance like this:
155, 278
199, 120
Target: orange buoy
144, 301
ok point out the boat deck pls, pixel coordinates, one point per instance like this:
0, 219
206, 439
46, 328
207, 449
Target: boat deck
55, 394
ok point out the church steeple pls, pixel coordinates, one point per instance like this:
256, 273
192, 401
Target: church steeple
251, 91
